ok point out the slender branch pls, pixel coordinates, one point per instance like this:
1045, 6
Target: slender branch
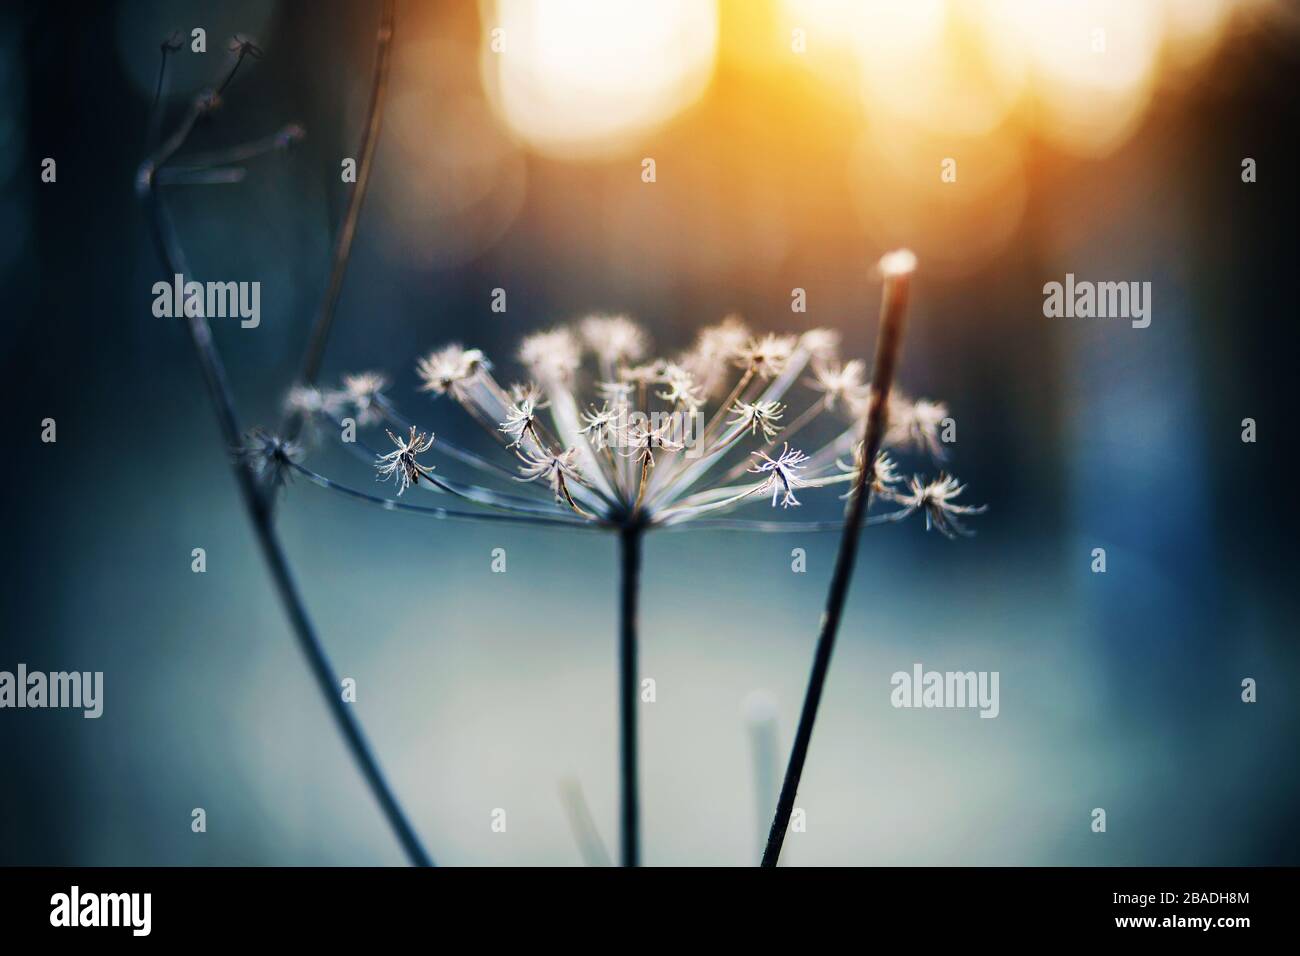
281, 139
362, 451
343, 241
392, 504
167, 47
767, 527
242, 48
568, 496
630, 582
201, 177
173, 260
893, 309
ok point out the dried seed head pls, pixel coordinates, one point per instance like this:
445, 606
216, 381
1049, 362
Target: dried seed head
268, 456
915, 426
616, 392
400, 464
593, 476
783, 474
521, 418
758, 417
615, 339
647, 437
647, 374
556, 469
766, 357
681, 391
935, 498
715, 350
602, 426
521, 392
444, 369
308, 400
839, 383
551, 356
822, 344
724, 341
883, 481
364, 392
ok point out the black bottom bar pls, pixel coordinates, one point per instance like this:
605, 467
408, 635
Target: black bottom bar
337, 905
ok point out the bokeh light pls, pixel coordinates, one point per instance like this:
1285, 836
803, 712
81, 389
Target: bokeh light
459, 180
579, 79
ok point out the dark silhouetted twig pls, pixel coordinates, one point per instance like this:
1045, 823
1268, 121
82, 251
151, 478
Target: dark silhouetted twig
629, 539
315, 353
893, 310
255, 499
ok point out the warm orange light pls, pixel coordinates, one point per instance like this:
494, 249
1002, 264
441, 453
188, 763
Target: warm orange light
960, 66
581, 79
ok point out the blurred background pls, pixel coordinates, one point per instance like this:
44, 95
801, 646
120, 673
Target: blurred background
794, 142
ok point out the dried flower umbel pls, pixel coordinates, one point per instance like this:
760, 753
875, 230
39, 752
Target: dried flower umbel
646, 448
596, 436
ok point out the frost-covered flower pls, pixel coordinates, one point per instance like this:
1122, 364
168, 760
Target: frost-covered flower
443, 370
364, 391
783, 474
935, 498
400, 463
758, 417
268, 456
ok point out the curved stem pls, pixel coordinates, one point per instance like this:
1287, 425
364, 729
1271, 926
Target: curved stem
630, 580
765, 527
241, 153
257, 504
343, 241
392, 504
893, 309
